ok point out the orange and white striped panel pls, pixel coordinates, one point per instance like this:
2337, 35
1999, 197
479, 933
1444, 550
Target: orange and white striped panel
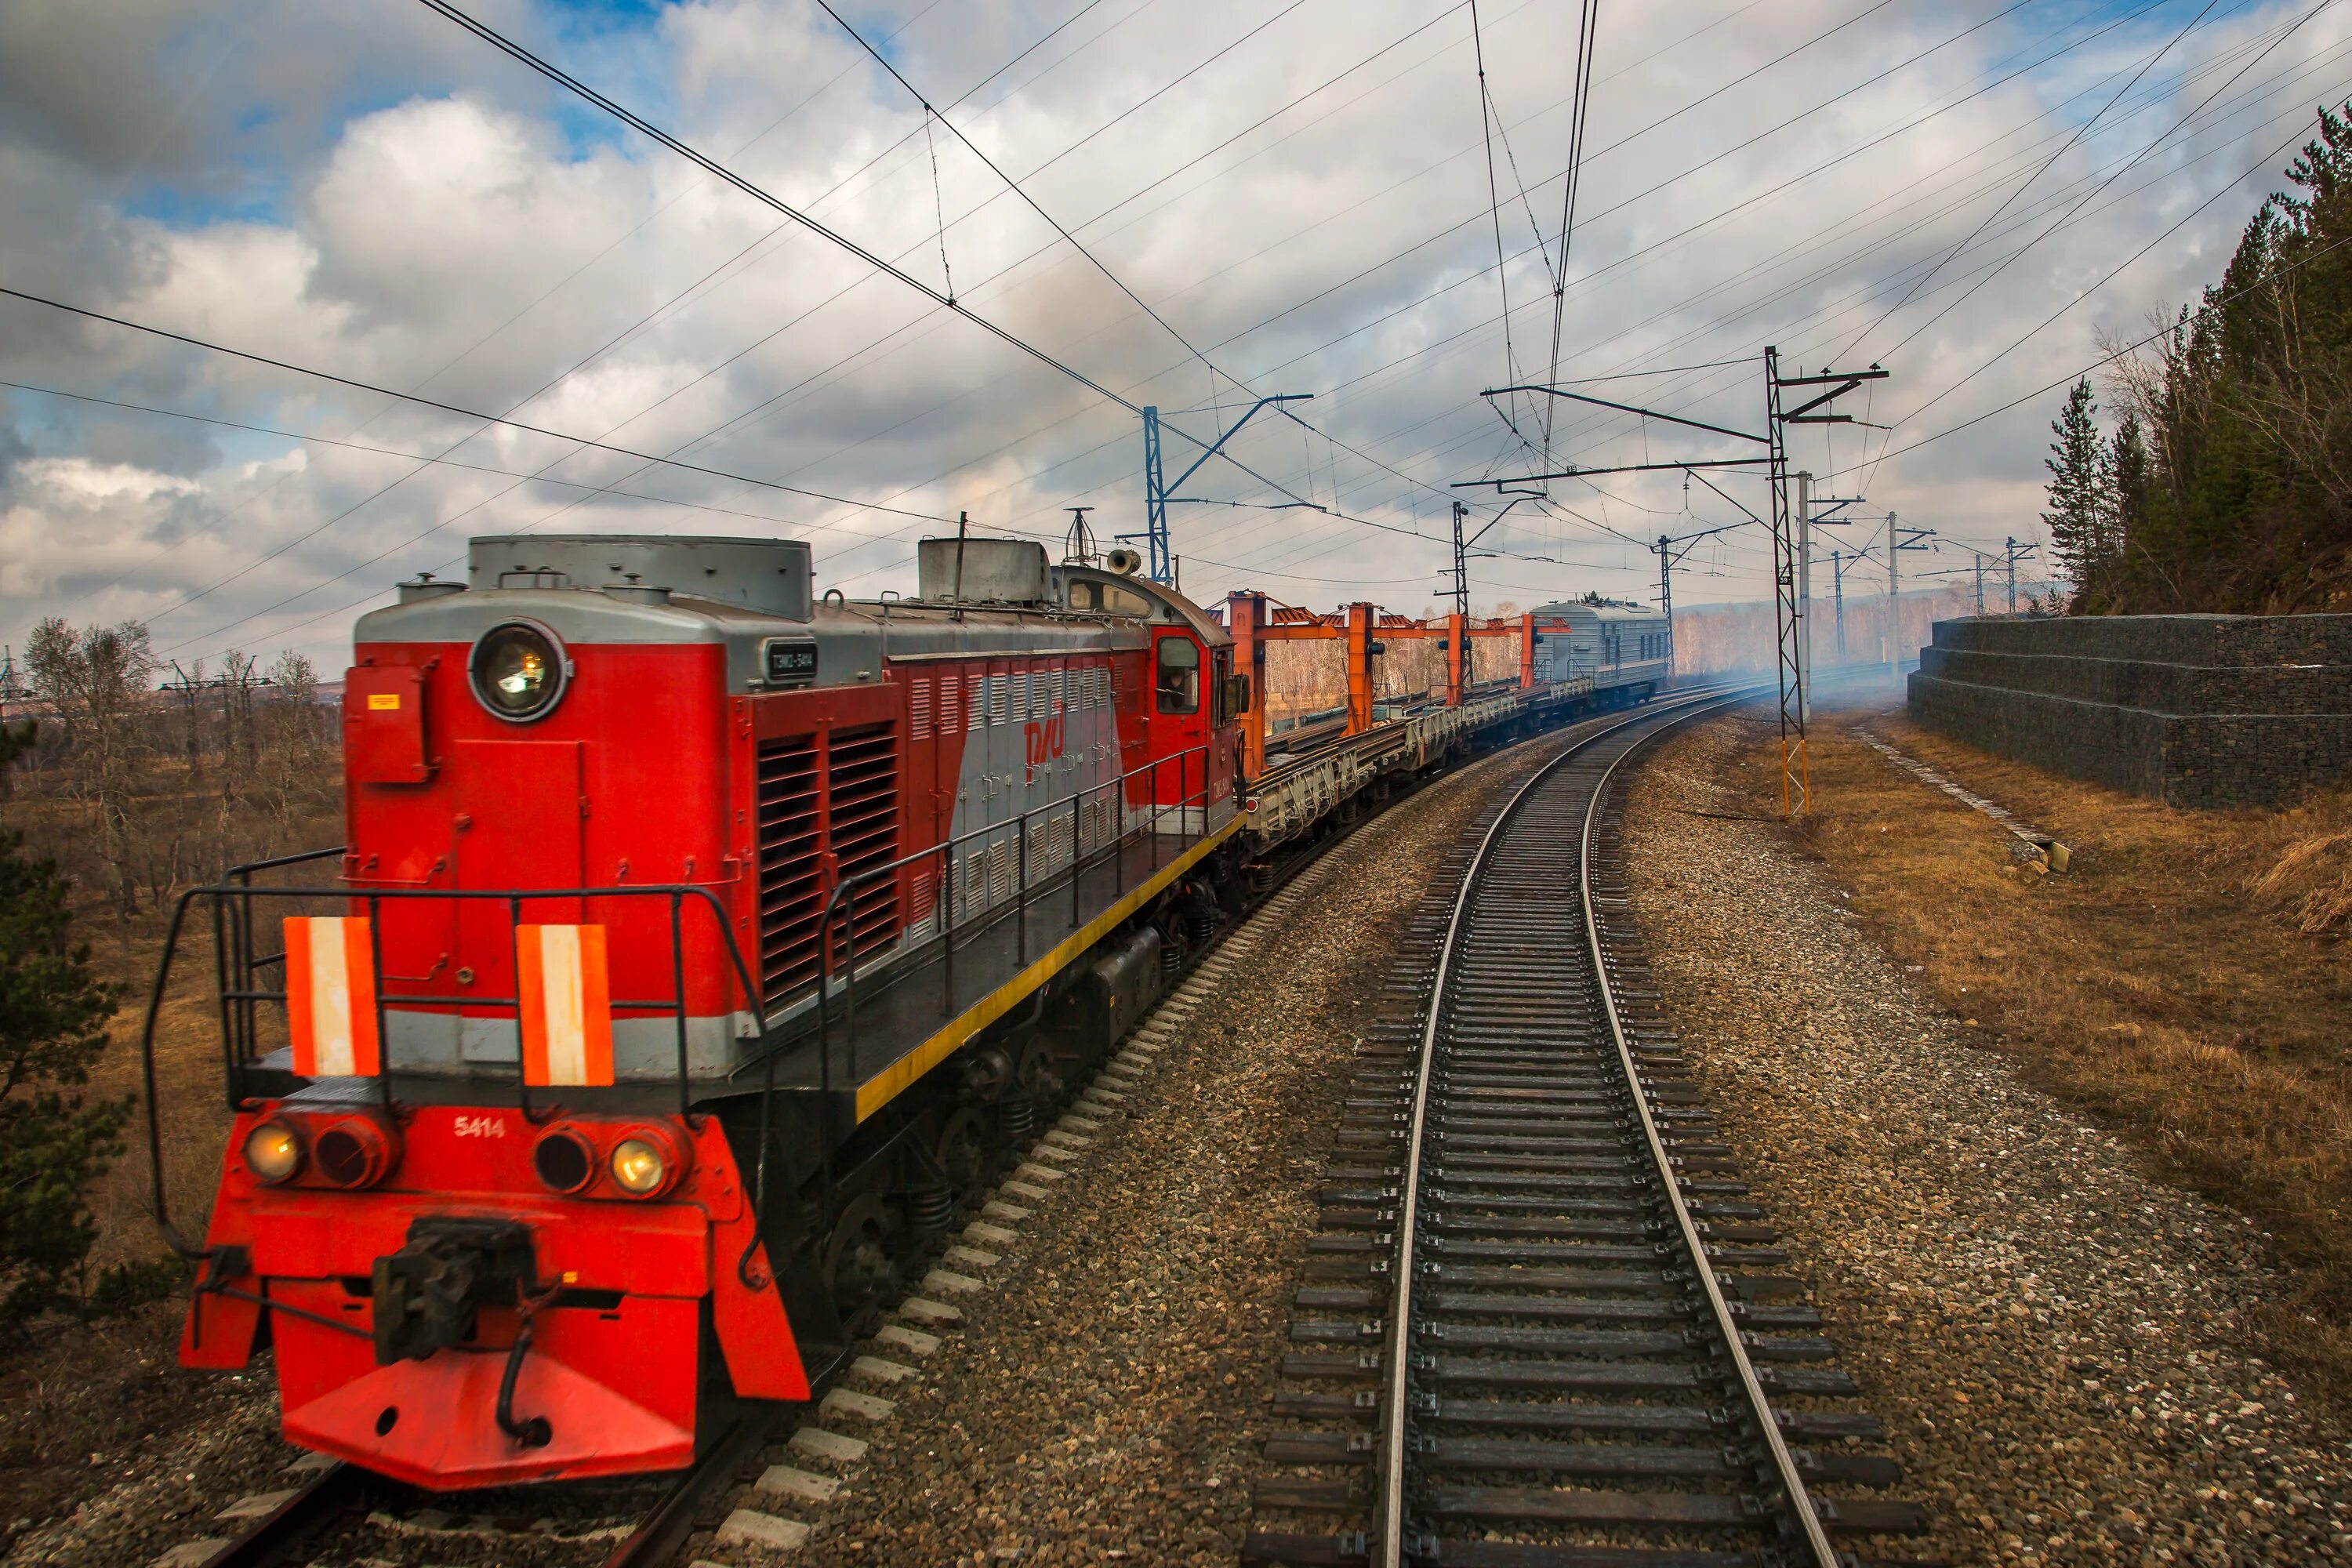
330, 997
567, 1005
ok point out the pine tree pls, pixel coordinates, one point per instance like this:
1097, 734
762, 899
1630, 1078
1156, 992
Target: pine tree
2081, 487
2128, 479
53, 1141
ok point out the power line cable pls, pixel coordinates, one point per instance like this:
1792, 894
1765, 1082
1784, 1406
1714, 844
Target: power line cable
2105, 360
457, 409
2287, 33
2023, 185
654, 132
1012, 185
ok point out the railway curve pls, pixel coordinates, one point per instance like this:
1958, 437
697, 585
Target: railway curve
1560, 1345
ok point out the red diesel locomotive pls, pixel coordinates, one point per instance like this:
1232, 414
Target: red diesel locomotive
697, 948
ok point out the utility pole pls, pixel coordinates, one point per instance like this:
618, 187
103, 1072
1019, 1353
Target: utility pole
1461, 564
1667, 593
1837, 595
1981, 584
1898, 540
2012, 554
1817, 392
1670, 550
1796, 766
1894, 605
1158, 494
1805, 596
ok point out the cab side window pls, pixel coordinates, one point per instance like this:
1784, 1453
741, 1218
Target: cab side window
1178, 682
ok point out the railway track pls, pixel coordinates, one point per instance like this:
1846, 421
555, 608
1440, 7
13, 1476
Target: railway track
1542, 1323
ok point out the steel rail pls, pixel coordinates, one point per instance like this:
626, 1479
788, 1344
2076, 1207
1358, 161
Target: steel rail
670, 1521
280, 1534
1388, 1519
1784, 1463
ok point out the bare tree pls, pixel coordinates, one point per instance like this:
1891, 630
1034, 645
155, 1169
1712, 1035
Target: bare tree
97, 680
240, 743
290, 764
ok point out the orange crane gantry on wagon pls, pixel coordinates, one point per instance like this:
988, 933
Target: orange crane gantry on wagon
1255, 621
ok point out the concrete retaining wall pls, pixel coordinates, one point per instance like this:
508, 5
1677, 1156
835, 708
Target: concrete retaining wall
2195, 711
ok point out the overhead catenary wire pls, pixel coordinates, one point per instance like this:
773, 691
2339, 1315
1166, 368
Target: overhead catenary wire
428, 460
2119, 172
1265, 322
1644, 57
2101, 362
1344, 445
1425, 348
1493, 196
358, 385
1586, 29
1012, 185
1015, 185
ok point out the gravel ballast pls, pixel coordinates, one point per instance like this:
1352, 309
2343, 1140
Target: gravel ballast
2054, 1339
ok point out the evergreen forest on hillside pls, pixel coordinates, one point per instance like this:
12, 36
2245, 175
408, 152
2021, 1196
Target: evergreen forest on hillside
2226, 483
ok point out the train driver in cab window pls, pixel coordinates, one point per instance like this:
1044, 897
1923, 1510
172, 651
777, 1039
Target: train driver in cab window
1178, 683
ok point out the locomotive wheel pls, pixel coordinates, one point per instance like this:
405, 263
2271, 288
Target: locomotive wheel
1039, 1074
857, 1263
963, 1149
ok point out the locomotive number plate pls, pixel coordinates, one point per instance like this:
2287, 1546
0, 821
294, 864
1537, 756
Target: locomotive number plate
789, 661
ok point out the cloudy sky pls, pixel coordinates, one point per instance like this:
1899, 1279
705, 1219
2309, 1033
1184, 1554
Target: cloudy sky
1290, 197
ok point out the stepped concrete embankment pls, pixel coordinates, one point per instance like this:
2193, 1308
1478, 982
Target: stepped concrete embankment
2195, 711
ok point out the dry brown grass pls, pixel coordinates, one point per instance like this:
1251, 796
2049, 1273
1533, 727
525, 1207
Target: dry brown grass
2187, 980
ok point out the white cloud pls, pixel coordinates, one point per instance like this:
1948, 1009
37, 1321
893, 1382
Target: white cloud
405, 208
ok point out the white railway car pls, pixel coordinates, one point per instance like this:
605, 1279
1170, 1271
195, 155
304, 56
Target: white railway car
1622, 648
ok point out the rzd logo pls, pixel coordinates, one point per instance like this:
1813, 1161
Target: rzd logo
1044, 744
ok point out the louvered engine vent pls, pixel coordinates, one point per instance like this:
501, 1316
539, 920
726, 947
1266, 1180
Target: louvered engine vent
843, 798
862, 829
789, 890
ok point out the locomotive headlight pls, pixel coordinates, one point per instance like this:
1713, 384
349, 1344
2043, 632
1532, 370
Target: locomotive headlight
647, 1161
273, 1151
638, 1167
518, 671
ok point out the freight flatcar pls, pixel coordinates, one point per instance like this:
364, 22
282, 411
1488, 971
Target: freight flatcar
699, 948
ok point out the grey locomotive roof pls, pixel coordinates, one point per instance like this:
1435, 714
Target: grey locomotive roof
854, 637
1576, 611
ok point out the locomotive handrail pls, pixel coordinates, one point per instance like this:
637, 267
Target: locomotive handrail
242, 892
244, 873
1019, 900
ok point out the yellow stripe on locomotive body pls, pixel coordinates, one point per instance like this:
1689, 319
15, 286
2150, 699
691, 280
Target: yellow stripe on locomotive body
903, 1074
